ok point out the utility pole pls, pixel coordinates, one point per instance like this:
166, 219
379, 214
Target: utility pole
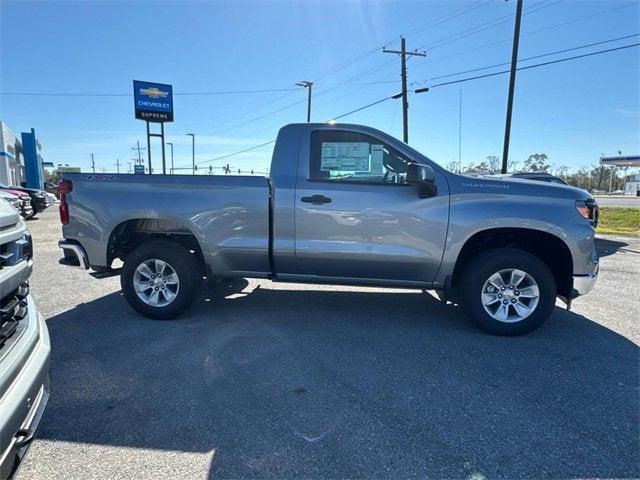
139, 151
460, 129
403, 76
512, 85
93, 164
117, 164
193, 152
129, 170
308, 85
171, 145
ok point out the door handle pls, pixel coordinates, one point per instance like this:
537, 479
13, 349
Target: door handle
316, 199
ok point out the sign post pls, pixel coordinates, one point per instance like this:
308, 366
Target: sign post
153, 104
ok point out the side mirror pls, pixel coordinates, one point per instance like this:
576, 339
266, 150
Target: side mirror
424, 177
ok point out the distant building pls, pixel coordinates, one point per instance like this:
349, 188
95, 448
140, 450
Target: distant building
632, 184
11, 158
33, 168
21, 161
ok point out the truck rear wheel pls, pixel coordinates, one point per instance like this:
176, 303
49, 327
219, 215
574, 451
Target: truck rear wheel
508, 291
160, 279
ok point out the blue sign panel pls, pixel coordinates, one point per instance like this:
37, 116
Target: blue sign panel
153, 101
138, 169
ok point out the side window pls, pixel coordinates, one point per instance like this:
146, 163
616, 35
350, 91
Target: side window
354, 157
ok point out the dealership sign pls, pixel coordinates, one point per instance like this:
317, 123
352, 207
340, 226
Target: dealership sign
153, 101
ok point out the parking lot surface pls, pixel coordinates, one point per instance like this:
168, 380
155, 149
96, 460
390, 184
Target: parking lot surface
272, 380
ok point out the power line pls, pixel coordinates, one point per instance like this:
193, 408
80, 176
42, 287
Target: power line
524, 34
237, 153
73, 94
536, 56
487, 25
457, 13
438, 21
383, 65
477, 77
441, 85
361, 108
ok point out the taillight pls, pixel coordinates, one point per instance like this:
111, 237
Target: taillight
64, 187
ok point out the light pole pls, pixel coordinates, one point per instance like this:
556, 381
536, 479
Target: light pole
309, 85
193, 151
171, 145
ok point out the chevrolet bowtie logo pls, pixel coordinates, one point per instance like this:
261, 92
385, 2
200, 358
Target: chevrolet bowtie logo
153, 92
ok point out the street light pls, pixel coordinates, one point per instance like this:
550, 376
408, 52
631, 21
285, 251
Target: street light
193, 151
171, 144
307, 84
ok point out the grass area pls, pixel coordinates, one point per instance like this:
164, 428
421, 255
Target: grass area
619, 221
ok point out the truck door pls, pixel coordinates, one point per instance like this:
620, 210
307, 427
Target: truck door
357, 218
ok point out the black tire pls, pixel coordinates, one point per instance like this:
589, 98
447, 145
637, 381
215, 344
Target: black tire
185, 264
478, 271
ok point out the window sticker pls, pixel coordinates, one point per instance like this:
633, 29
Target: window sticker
377, 156
345, 157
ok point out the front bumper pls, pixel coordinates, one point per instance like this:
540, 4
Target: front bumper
23, 403
583, 284
40, 204
27, 212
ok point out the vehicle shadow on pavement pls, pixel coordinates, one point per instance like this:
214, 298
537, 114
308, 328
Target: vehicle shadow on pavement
308, 383
608, 246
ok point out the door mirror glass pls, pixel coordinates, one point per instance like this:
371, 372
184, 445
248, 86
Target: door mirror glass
418, 173
424, 177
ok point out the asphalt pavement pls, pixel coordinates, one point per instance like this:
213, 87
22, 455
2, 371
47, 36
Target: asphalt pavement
272, 380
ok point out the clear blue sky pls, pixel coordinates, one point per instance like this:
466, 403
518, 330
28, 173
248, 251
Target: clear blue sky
571, 111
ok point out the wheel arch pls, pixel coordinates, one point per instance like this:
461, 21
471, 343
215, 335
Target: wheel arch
132, 232
549, 248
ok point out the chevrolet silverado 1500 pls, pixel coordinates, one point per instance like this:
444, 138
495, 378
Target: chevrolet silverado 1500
343, 204
24, 345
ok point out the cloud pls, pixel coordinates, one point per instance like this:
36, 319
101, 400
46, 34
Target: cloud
624, 111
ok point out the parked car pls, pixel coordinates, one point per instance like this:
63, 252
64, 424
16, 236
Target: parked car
52, 198
39, 198
539, 176
27, 209
13, 200
51, 188
344, 204
24, 345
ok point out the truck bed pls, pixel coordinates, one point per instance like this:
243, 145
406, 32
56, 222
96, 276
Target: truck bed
229, 215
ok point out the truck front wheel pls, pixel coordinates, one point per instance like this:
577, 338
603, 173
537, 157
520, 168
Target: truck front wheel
160, 279
508, 291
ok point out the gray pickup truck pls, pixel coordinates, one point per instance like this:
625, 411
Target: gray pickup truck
344, 204
24, 345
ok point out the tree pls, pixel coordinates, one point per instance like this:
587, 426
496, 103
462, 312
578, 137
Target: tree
453, 166
51, 176
494, 163
562, 171
536, 163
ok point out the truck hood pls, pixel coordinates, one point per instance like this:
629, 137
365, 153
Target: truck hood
8, 215
520, 186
